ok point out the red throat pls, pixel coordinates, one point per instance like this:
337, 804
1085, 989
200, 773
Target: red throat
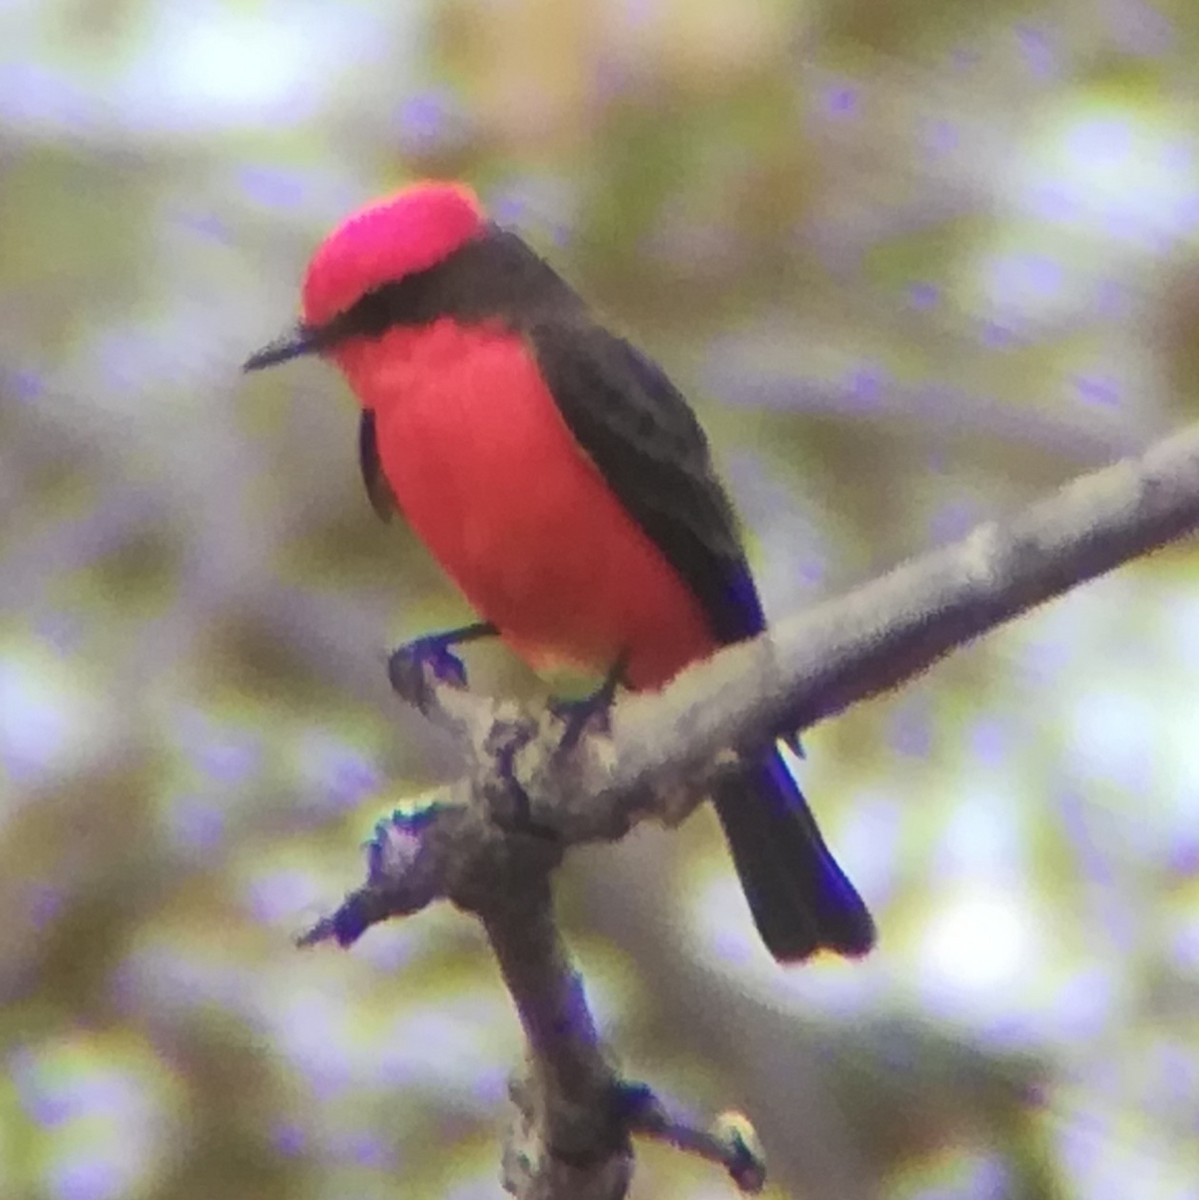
410, 231
488, 474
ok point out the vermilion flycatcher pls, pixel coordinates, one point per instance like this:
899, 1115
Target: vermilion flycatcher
564, 483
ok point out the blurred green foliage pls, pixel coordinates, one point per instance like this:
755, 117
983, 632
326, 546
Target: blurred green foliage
914, 262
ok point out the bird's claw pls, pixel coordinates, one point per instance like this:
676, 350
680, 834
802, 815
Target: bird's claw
594, 710
407, 666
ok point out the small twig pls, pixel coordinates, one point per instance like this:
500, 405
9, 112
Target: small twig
730, 1141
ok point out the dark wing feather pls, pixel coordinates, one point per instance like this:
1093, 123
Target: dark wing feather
377, 488
642, 435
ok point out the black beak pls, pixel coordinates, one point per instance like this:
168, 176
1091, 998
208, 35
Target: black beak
291, 345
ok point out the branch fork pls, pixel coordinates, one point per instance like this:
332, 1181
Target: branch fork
489, 843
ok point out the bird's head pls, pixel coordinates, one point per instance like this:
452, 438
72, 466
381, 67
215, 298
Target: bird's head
385, 242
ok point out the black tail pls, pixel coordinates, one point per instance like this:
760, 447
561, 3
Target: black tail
799, 896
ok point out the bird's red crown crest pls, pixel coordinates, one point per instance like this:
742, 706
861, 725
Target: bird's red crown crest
410, 231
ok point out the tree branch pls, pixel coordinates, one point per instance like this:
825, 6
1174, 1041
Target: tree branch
815, 665
490, 842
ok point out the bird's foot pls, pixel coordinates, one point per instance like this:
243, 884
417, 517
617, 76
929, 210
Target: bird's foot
594, 710
406, 664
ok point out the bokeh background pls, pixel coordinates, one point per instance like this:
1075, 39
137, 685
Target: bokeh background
916, 263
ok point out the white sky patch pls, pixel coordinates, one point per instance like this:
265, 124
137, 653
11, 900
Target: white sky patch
52, 722
1107, 1153
207, 65
1114, 170
985, 837
979, 950
1110, 730
1099, 191
1176, 616
1128, 740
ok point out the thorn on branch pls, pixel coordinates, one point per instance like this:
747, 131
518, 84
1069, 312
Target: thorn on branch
356, 914
403, 876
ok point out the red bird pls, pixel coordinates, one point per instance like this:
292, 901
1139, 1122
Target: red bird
565, 485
